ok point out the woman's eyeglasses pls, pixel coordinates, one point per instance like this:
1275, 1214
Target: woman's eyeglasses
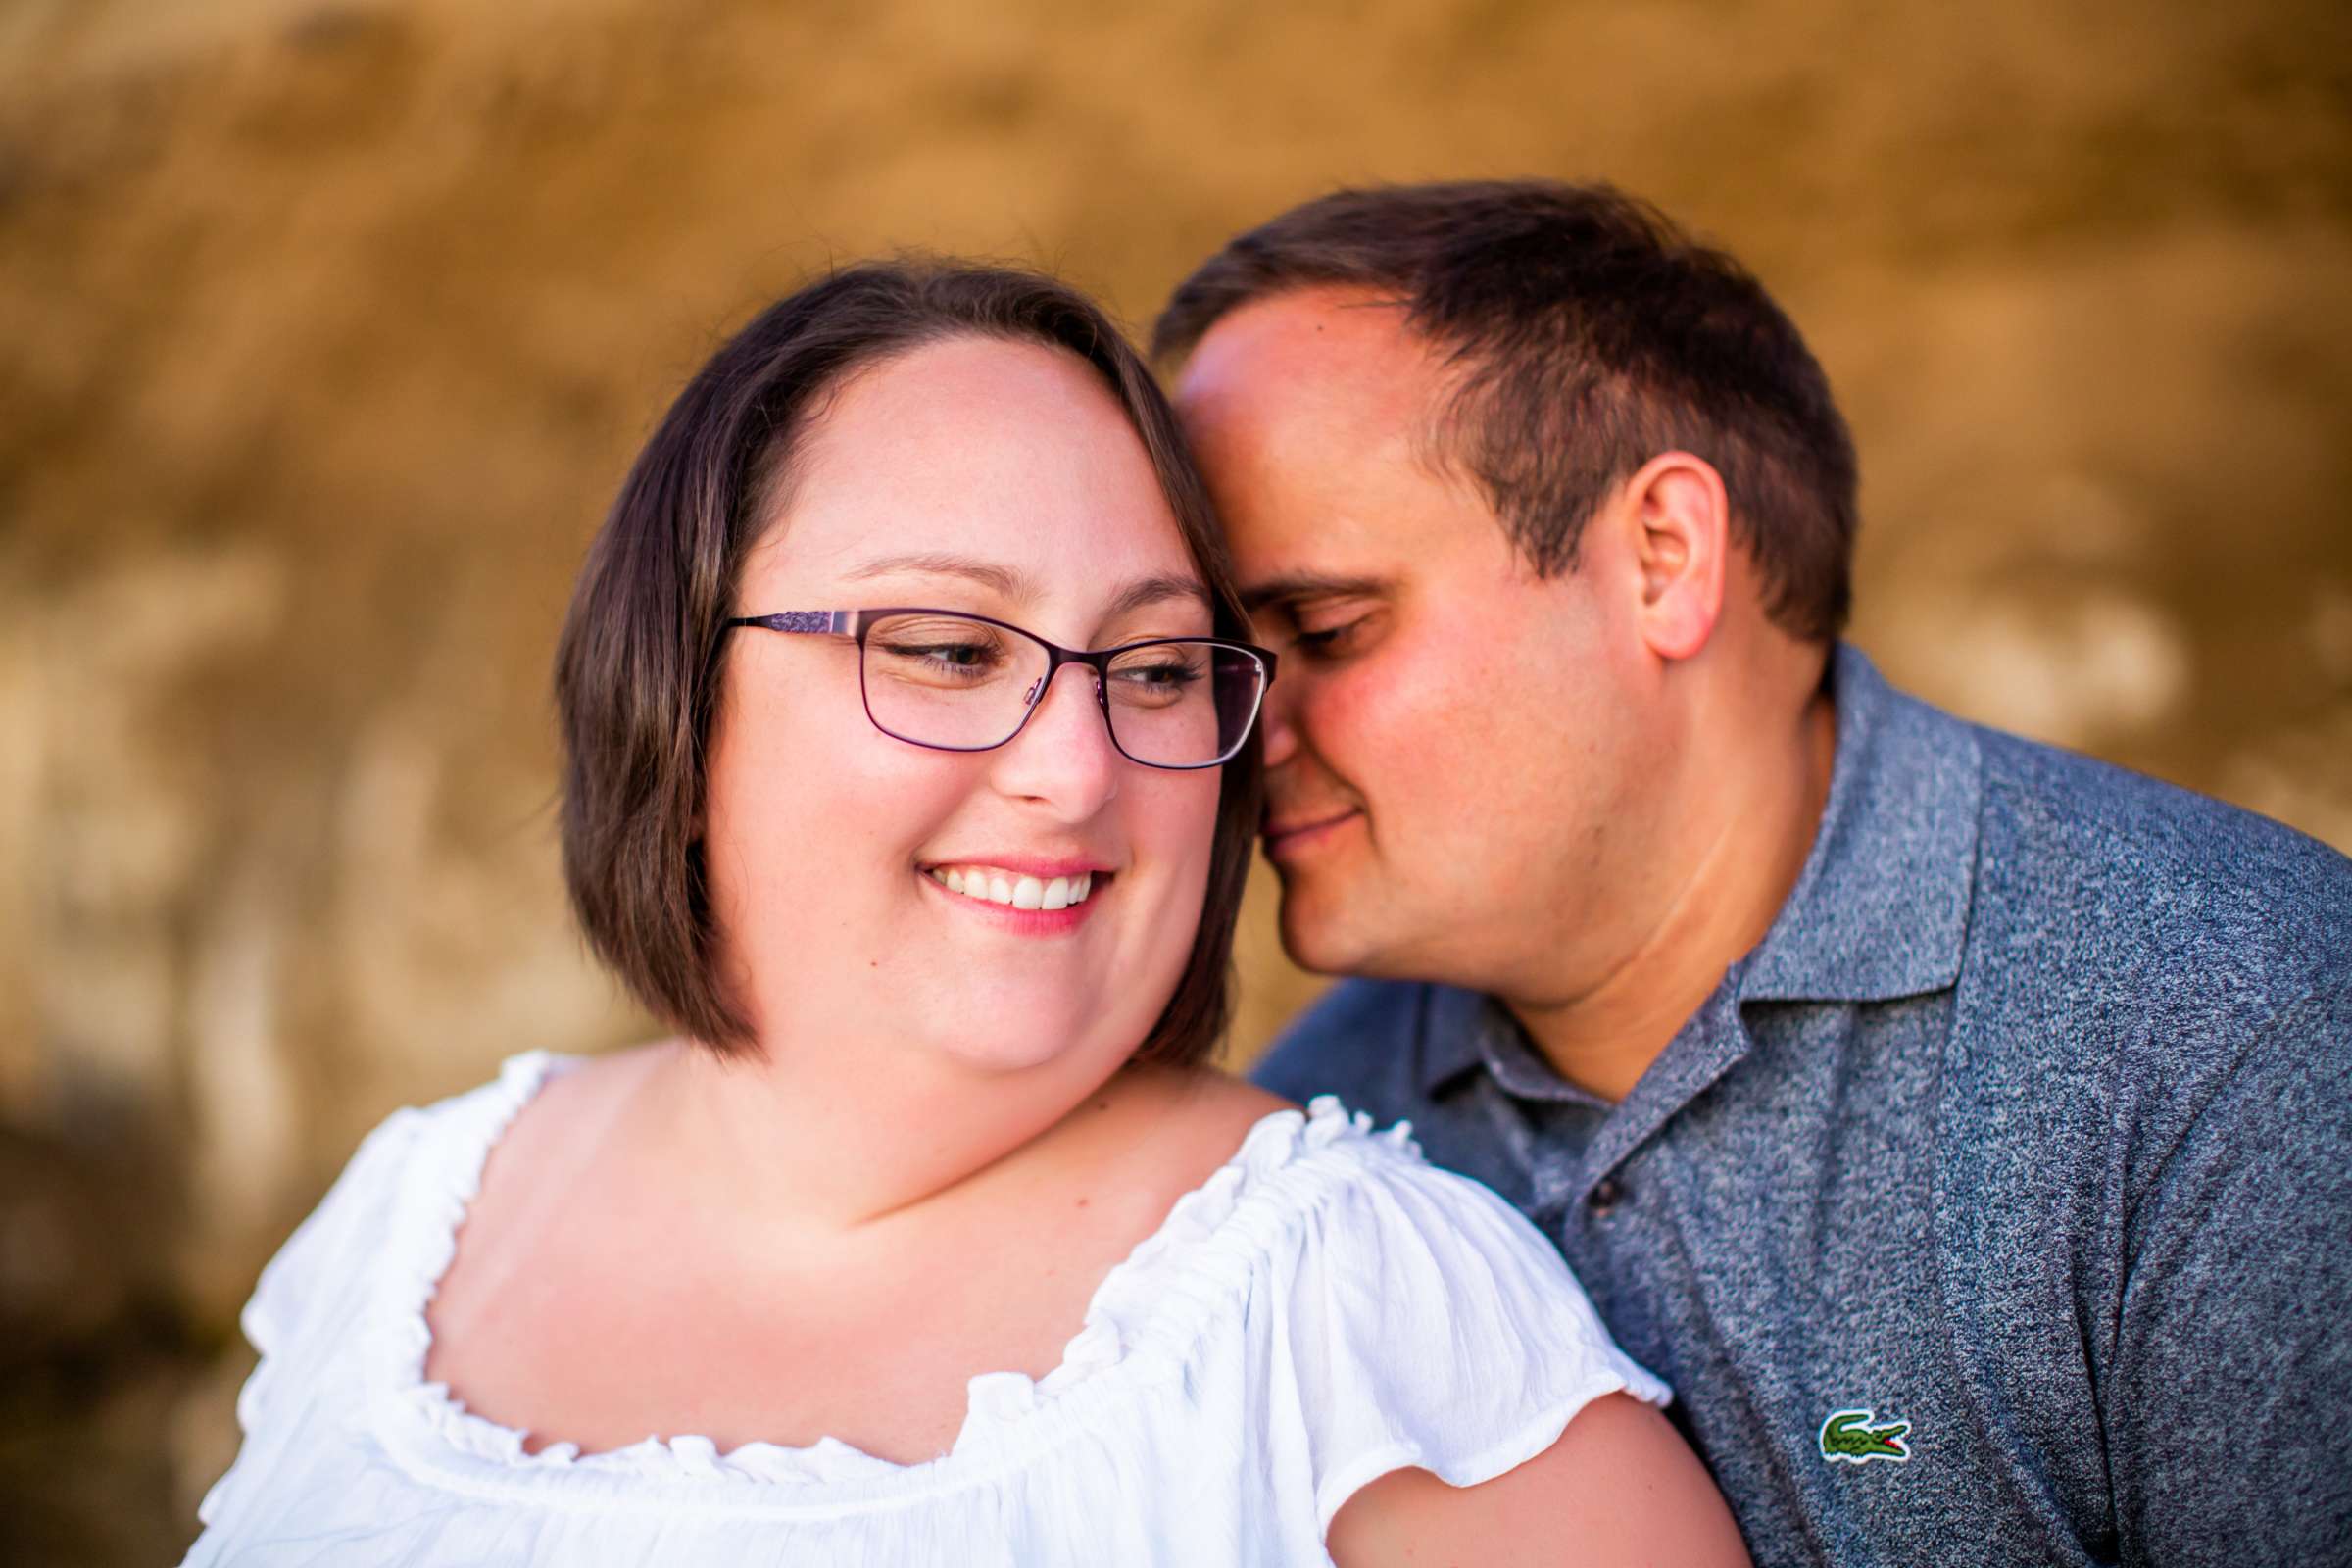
958, 682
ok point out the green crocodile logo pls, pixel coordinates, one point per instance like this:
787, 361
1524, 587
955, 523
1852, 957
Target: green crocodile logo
1856, 1436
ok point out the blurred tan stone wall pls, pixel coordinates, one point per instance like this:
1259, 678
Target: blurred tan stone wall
330, 329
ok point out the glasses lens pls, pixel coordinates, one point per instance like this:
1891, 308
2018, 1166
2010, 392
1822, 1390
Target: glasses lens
1182, 703
942, 680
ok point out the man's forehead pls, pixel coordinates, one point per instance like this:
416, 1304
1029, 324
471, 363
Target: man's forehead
1326, 313
1326, 351
1312, 413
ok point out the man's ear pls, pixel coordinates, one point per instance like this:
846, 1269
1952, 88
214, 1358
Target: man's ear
1681, 525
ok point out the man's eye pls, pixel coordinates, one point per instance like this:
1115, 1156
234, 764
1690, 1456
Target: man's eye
1325, 640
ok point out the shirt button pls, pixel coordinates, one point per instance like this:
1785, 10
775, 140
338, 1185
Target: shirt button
1607, 1193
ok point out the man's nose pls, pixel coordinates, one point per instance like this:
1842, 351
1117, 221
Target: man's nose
1278, 724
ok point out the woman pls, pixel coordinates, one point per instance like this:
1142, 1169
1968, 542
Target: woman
943, 924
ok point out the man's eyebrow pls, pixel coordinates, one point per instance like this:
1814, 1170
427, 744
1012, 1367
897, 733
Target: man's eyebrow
1293, 587
988, 573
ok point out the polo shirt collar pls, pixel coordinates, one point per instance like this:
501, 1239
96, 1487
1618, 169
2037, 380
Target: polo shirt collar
1466, 1029
1453, 1025
1881, 909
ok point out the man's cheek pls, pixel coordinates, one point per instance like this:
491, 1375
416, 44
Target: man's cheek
1405, 735
1320, 725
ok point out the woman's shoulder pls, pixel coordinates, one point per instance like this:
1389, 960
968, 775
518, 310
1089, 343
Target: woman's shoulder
1337, 1209
1210, 1130
1398, 1315
1249, 1180
1200, 1116
394, 1154
541, 1113
1206, 1141
414, 1154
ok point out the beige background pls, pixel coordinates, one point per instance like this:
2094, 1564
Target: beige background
330, 329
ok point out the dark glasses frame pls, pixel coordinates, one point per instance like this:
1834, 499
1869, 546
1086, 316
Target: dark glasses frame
855, 623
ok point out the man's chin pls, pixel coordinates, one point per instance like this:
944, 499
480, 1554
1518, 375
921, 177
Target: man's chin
1320, 939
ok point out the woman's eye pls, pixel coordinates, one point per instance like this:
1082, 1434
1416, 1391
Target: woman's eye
953, 656
1172, 674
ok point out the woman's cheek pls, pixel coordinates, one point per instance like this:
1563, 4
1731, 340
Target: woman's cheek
1179, 823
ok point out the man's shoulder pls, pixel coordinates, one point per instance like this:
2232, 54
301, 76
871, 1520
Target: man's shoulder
2154, 884
1355, 1041
2092, 859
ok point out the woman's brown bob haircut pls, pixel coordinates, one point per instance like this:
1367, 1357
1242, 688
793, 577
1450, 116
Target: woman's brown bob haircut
638, 671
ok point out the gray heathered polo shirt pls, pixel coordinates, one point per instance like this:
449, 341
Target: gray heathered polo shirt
1998, 1206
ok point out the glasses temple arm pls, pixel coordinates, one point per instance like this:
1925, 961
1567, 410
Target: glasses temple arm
820, 621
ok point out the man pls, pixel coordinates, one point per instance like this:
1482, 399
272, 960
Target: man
1962, 1127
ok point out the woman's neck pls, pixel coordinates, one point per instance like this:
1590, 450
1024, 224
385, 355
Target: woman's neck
809, 1148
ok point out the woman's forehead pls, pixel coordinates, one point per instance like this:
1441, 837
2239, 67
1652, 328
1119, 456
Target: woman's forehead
989, 452
932, 422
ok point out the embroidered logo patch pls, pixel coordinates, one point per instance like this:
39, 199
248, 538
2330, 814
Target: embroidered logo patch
1856, 1436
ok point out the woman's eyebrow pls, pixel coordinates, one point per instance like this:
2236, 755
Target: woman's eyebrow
988, 573
1145, 592
1016, 586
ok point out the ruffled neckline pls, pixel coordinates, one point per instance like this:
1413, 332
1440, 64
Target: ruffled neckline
1140, 1324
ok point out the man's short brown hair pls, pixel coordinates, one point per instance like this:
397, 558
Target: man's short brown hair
638, 669
1590, 336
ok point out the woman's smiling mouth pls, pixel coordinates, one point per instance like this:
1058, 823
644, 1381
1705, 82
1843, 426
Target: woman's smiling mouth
995, 884
1028, 894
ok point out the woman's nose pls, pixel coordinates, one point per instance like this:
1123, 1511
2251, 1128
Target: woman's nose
1063, 754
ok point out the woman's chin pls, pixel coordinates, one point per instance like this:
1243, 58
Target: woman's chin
1030, 1049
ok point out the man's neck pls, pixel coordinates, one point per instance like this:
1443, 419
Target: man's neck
1758, 838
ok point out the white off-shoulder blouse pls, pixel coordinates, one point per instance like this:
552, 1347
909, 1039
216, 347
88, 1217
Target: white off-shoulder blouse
1324, 1309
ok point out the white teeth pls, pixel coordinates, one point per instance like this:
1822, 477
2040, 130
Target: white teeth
996, 885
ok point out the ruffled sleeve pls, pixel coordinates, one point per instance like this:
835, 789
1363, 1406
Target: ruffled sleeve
310, 1293
1421, 1322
